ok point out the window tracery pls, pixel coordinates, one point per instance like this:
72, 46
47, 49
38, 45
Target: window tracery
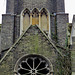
36, 17
33, 65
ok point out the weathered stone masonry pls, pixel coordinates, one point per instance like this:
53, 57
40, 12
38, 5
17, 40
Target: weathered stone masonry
35, 39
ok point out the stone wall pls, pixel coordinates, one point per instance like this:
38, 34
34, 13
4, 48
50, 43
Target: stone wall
7, 30
73, 29
16, 27
10, 6
16, 6
33, 41
60, 6
73, 55
30, 4
62, 20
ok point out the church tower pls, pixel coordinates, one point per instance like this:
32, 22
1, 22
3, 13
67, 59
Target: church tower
20, 14
33, 38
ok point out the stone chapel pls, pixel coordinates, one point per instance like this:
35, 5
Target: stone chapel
35, 38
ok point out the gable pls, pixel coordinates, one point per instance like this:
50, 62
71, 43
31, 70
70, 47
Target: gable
32, 41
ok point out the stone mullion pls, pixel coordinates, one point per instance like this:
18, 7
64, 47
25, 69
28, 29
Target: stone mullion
49, 25
39, 20
30, 18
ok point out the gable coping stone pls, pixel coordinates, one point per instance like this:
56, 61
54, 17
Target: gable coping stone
22, 36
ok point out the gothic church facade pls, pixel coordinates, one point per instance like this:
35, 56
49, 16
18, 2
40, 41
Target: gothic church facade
33, 38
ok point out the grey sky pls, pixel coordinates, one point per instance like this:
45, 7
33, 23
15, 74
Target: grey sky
69, 8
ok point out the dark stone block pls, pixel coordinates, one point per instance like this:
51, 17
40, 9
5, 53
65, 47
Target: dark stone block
7, 31
62, 20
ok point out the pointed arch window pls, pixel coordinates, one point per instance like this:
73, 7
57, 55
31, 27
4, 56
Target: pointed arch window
35, 17
26, 19
44, 20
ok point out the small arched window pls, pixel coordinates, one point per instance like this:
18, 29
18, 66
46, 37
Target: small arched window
26, 19
44, 20
35, 17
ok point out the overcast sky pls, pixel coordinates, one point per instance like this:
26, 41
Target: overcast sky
69, 8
